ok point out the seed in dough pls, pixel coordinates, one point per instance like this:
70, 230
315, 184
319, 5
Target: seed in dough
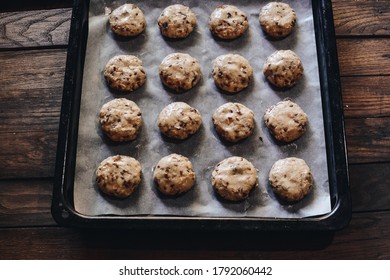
125, 73
179, 120
228, 22
234, 178
232, 72
283, 68
277, 19
179, 71
120, 119
127, 20
286, 121
118, 176
176, 21
291, 179
234, 121
174, 175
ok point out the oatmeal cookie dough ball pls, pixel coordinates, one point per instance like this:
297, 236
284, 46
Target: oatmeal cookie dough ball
174, 175
277, 19
176, 21
286, 121
234, 121
179, 72
125, 73
283, 68
127, 20
228, 22
234, 178
118, 176
179, 120
232, 72
291, 179
120, 119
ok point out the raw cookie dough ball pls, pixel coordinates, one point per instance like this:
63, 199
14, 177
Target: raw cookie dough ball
277, 19
228, 22
283, 68
234, 121
118, 176
179, 71
286, 121
179, 120
127, 20
291, 179
120, 119
176, 21
174, 174
232, 72
234, 178
125, 73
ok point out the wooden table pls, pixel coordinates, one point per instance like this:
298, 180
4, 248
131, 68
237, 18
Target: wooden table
33, 48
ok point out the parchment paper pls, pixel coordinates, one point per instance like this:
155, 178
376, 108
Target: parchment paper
204, 149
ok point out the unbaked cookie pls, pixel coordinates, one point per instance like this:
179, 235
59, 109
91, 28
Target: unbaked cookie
174, 175
234, 121
277, 19
291, 179
283, 68
179, 120
286, 121
127, 20
118, 176
234, 178
120, 119
232, 72
228, 22
180, 71
176, 21
125, 73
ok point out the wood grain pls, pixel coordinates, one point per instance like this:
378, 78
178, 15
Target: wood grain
367, 230
366, 96
368, 140
370, 186
364, 57
34, 28
30, 108
26, 203
361, 18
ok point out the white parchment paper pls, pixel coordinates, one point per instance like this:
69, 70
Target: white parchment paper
204, 149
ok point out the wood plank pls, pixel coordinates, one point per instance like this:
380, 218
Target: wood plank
35, 28
365, 238
366, 96
27, 154
370, 186
368, 140
30, 108
26, 202
364, 57
357, 18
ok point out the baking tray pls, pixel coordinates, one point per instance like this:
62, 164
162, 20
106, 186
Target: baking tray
63, 209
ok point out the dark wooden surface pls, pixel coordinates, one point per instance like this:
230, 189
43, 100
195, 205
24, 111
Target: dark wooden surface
33, 41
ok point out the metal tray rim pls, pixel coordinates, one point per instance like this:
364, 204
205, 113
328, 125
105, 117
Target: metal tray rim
64, 213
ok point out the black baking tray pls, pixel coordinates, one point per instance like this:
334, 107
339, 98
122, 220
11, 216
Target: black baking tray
63, 209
